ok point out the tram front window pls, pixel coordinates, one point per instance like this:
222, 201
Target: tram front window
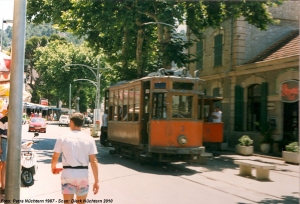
159, 106
182, 106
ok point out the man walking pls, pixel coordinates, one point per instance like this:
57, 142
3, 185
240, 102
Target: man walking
78, 150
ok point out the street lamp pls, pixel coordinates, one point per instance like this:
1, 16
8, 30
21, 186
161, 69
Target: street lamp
2, 31
148, 23
96, 83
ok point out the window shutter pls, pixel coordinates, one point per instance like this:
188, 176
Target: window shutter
199, 54
218, 50
264, 107
239, 108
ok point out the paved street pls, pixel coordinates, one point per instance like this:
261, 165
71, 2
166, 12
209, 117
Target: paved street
123, 181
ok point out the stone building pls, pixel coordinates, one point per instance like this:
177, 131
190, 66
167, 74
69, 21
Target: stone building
256, 73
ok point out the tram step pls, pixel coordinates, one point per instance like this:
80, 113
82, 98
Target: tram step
206, 154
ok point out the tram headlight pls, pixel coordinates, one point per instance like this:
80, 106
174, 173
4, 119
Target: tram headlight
182, 139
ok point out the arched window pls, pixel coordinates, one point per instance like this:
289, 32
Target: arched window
254, 107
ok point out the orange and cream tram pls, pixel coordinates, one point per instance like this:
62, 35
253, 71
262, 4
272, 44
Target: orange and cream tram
159, 117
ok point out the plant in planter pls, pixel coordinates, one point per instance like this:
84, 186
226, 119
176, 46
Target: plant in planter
245, 146
265, 145
291, 154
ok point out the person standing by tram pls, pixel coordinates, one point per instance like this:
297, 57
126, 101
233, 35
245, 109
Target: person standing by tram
103, 136
217, 115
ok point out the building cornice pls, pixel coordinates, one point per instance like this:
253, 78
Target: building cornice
258, 67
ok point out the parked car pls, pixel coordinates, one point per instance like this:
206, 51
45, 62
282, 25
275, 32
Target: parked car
88, 120
37, 124
64, 120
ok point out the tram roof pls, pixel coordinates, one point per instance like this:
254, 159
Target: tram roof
148, 78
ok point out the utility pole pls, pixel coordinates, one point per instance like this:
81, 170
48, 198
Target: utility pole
12, 188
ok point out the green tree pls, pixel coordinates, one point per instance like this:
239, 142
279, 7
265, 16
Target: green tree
55, 80
33, 79
119, 29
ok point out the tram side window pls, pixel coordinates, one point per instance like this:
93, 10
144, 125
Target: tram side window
182, 106
131, 104
111, 105
116, 96
136, 103
125, 105
159, 106
120, 107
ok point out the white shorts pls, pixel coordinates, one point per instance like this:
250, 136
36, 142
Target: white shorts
75, 181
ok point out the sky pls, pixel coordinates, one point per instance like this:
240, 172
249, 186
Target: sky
6, 11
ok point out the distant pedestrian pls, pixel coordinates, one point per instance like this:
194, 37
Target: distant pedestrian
78, 150
217, 115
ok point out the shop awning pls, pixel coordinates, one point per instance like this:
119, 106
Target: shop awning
4, 92
34, 106
5, 62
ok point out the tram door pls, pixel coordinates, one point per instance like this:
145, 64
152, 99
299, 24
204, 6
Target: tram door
145, 112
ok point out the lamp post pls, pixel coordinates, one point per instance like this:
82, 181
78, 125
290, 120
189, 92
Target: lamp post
148, 23
96, 83
70, 93
77, 105
2, 31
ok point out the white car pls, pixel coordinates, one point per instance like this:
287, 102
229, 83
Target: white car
64, 120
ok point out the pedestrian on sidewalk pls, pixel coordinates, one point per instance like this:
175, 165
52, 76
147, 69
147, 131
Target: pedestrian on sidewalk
78, 149
3, 147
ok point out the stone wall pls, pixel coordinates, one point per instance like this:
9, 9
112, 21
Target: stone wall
288, 10
257, 41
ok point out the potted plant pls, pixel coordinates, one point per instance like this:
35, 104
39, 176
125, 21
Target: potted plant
291, 155
265, 145
245, 146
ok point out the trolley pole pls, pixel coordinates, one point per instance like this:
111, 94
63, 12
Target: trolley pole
12, 188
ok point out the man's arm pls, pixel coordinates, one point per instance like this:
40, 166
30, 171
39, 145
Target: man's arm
94, 165
54, 162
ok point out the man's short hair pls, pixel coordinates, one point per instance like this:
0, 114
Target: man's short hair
77, 119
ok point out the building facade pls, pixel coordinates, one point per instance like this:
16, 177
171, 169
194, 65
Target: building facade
256, 73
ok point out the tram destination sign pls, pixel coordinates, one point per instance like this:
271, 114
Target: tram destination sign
290, 91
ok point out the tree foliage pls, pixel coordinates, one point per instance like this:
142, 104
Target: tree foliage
55, 77
122, 30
